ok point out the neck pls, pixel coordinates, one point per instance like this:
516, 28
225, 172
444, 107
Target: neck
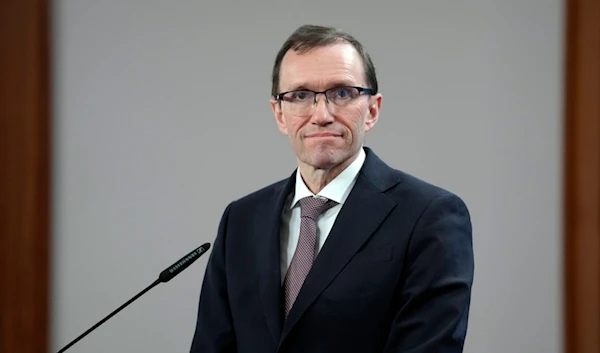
317, 178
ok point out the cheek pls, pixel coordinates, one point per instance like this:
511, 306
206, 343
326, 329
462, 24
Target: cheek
293, 126
354, 120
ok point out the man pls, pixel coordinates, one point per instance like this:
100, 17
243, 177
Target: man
347, 254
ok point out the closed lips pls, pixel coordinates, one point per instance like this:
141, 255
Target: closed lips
324, 134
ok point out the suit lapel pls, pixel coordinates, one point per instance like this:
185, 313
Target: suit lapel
270, 286
364, 210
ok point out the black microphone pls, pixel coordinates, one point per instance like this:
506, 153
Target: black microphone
165, 276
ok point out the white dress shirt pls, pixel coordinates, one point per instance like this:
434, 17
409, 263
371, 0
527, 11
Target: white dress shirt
337, 190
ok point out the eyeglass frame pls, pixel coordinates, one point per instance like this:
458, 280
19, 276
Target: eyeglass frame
369, 91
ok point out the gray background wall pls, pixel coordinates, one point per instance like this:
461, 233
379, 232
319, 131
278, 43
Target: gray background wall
161, 118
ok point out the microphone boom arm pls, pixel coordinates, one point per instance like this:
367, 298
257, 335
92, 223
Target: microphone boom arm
109, 316
164, 276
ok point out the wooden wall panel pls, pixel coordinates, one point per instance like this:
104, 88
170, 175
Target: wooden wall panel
24, 176
582, 177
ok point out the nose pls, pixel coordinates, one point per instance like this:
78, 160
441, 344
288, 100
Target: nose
321, 114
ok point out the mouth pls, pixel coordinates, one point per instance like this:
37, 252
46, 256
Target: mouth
323, 135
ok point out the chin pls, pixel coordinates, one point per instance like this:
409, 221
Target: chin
325, 158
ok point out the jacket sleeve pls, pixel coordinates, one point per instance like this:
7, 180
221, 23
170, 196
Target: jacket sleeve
214, 327
437, 281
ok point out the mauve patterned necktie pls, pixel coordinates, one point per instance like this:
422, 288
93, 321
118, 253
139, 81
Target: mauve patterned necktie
311, 208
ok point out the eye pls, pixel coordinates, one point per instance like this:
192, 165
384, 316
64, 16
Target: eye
344, 93
298, 96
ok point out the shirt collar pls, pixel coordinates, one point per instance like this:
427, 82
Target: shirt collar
338, 189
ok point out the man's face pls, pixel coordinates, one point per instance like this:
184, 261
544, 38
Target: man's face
327, 135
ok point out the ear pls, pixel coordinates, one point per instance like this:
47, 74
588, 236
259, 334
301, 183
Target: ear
281, 124
373, 113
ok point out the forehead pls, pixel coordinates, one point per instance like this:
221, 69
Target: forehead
321, 67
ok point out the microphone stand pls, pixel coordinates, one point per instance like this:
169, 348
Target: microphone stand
163, 277
109, 316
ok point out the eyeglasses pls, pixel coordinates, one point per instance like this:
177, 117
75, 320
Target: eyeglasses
301, 102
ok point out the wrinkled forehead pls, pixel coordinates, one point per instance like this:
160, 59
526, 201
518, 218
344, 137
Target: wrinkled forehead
321, 68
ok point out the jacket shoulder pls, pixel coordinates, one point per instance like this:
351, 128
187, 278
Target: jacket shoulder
263, 194
419, 190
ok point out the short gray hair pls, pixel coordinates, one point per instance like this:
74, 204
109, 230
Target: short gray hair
308, 37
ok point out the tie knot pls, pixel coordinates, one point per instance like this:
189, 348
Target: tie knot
312, 207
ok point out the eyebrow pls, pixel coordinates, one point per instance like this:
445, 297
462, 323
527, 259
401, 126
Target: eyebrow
332, 84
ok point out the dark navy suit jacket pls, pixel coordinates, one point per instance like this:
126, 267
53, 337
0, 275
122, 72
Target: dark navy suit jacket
394, 275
